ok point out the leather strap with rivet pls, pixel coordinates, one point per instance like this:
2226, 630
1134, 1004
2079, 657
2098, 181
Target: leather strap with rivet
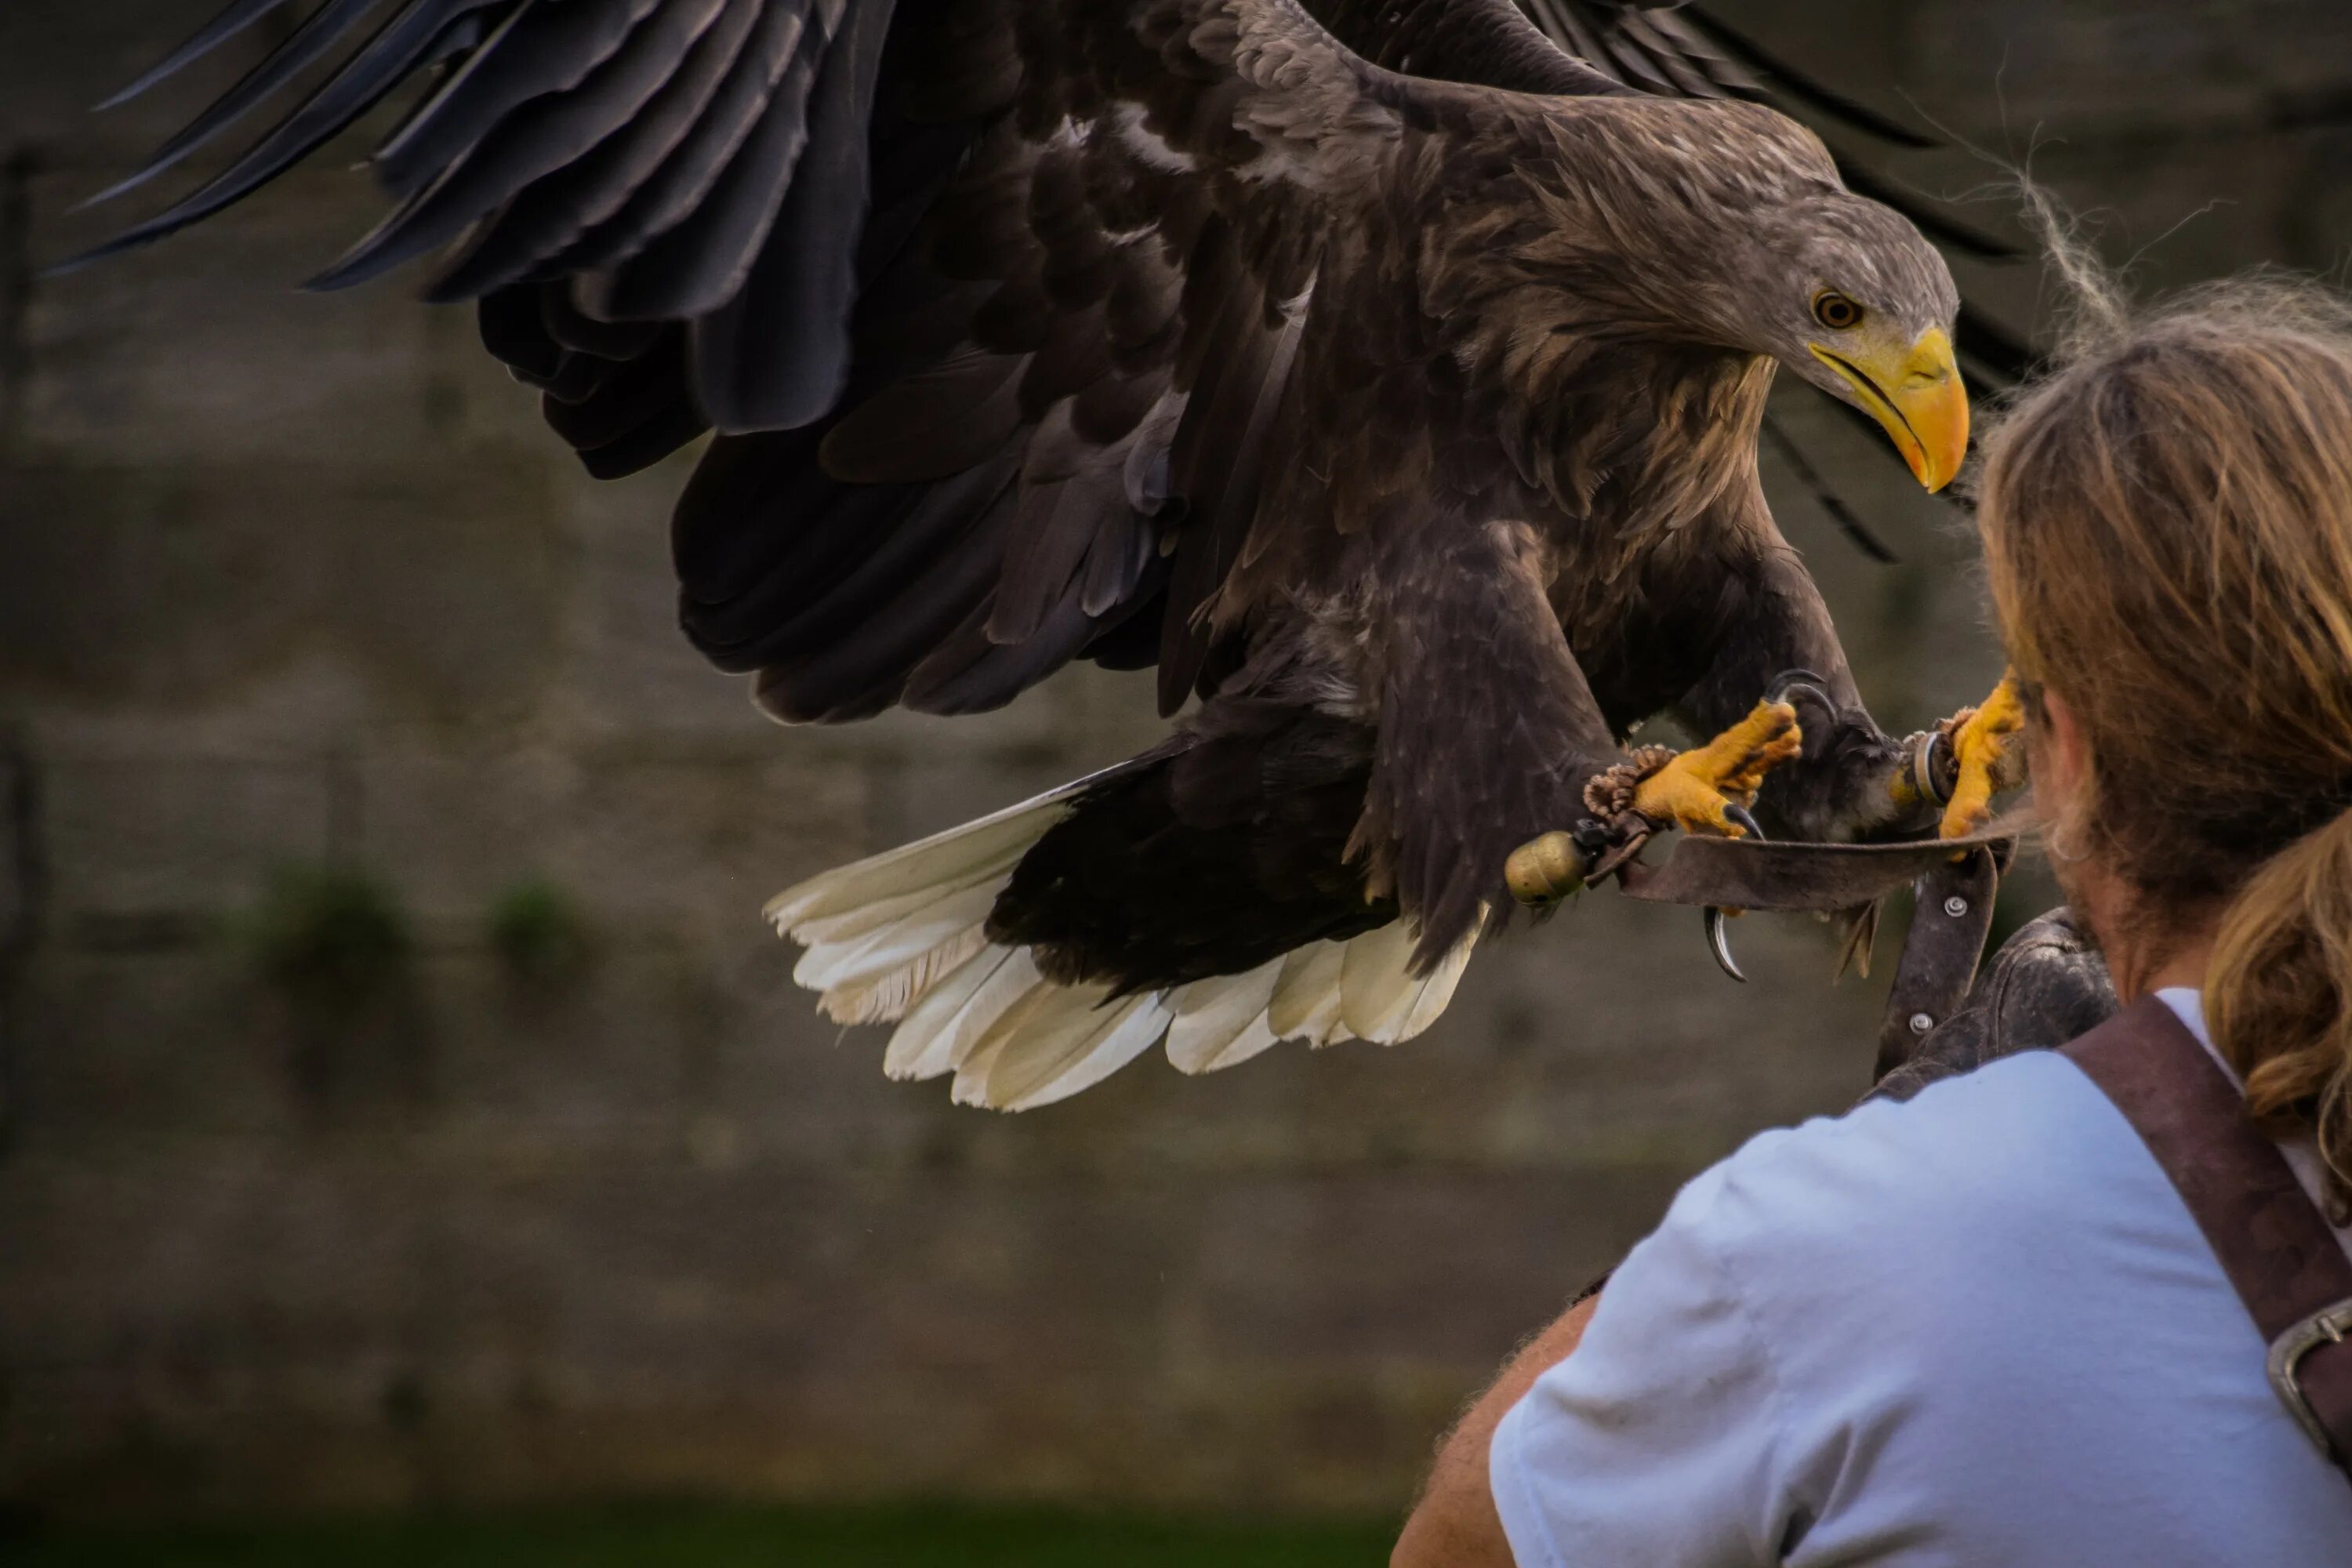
1954, 878
1951, 917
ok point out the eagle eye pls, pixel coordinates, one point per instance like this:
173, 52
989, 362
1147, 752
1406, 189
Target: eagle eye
1835, 311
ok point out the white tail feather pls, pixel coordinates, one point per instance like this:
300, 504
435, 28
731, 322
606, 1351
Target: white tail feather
941, 1028
842, 929
847, 964
1381, 1000
1436, 991
886, 998
1073, 1042
958, 858
971, 1086
1305, 1005
1221, 1022
1376, 985
1254, 1039
904, 936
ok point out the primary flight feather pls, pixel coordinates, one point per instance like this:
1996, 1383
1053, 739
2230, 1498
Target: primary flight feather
1387, 375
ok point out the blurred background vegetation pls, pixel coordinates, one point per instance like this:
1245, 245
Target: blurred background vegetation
404, 1117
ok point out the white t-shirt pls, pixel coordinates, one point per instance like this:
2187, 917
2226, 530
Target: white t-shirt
1978, 1327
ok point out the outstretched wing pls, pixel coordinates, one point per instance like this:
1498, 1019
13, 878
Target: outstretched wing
643, 150
993, 302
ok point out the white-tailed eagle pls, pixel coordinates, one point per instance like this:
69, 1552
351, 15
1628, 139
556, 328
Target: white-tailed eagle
1385, 374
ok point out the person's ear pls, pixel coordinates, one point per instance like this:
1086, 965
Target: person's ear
2062, 757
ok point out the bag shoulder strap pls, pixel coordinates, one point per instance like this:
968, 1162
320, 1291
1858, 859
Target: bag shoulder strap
2278, 1252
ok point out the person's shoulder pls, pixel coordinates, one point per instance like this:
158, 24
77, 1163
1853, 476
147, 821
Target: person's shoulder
2014, 1122
1971, 1168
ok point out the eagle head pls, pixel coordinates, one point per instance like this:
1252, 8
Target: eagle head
1847, 294
1724, 227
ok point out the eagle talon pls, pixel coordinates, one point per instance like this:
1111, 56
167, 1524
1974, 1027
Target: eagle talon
1789, 681
1718, 919
1718, 942
1983, 745
1700, 791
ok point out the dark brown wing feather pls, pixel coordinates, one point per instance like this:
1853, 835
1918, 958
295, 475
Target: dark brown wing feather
1000, 376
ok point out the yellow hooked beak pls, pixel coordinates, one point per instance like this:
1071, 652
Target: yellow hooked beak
1916, 394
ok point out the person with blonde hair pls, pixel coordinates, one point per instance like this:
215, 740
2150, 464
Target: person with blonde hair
2034, 1314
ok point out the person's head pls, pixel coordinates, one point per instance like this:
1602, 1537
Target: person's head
2167, 524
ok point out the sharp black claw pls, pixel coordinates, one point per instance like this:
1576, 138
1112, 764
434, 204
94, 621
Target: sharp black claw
1789, 679
1718, 941
1740, 814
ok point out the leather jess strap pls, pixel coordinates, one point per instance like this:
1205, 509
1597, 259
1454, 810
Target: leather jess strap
2268, 1235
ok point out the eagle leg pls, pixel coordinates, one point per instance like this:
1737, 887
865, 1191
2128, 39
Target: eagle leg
1985, 749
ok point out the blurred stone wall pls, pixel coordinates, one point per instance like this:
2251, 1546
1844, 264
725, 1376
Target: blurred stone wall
403, 1101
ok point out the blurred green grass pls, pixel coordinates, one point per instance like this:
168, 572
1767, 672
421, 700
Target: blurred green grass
693, 1536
